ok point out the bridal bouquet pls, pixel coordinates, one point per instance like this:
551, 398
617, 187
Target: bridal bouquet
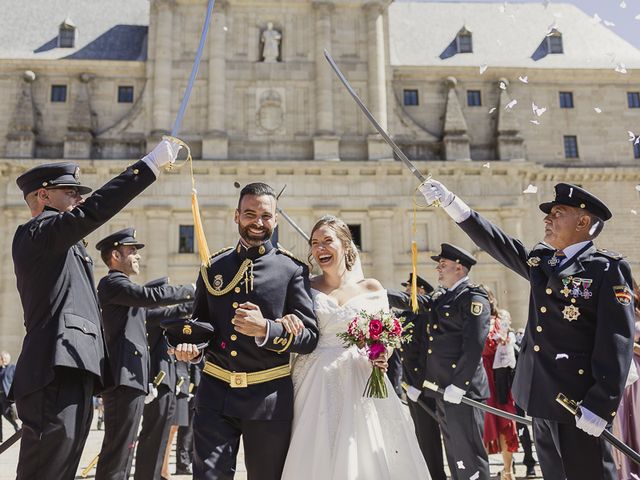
375, 332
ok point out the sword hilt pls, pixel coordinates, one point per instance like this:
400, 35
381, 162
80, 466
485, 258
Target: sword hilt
158, 378
431, 386
568, 404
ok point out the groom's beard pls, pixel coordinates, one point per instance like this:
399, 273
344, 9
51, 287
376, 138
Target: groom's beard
253, 239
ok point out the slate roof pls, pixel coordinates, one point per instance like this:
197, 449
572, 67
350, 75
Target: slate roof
106, 29
511, 35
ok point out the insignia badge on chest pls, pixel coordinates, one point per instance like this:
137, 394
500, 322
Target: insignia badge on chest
577, 287
553, 261
476, 308
571, 313
217, 282
623, 294
186, 330
533, 261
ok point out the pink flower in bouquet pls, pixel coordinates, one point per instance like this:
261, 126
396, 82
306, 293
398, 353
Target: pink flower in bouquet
397, 328
375, 350
375, 329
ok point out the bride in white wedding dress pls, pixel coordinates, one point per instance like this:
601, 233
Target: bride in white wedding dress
337, 433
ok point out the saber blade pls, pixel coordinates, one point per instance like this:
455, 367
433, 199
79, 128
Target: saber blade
194, 71
373, 121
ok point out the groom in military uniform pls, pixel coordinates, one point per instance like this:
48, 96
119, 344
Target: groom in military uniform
246, 387
579, 337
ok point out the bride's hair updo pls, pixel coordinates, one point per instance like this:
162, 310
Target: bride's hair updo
344, 235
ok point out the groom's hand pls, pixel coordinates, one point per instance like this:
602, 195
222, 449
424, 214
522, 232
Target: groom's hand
249, 321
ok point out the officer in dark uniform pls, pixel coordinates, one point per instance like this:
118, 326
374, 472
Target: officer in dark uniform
62, 362
124, 307
413, 355
579, 337
184, 441
246, 388
160, 403
457, 330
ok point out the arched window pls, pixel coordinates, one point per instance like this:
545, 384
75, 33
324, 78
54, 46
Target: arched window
464, 41
67, 34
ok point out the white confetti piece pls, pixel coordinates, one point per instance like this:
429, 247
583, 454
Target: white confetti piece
562, 355
633, 211
225, 28
621, 68
637, 188
475, 476
535, 122
492, 110
609, 24
460, 464
503, 86
483, 68
623, 4
597, 109
524, 79
487, 165
632, 136
538, 110
511, 104
530, 189
596, 18
637, 17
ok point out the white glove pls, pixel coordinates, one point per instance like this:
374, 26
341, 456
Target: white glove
152, 395
162, 154
413, 393
434, 191
453, 394
177, 390
590, 422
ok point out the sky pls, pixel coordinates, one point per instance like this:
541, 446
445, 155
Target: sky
624, 19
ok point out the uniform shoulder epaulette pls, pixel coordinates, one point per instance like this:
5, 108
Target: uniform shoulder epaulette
610, 254
290, 255
476, 288
219, 252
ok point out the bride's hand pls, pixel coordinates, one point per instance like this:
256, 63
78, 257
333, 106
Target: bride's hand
381, 362
292, 324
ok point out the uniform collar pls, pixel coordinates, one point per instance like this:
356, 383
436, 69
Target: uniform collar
571, 250
253, 252
458, 283
574, 264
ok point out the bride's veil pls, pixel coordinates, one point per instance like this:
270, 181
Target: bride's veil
356, 269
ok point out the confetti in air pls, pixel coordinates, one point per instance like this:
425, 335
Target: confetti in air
609, 24
597, 109
487, 165
535, 122
460, 465
524, 79
632, 136
621, 68
483, 68
562, 355
503, 86
475, 476
538, 110
511, 104
530, 189
492, 110
623, 4
637, 188
634, 211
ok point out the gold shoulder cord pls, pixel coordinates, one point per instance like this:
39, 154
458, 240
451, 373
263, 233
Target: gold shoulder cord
232, 284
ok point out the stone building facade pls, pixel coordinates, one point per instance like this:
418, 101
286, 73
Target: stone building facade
490, 99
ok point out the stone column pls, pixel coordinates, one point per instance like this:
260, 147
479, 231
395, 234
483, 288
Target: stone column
162, 71
21, 138
510, 142
79, 137
215, 144
325, 143
376, 60
381, 244
455, 140
517, 295
156, 252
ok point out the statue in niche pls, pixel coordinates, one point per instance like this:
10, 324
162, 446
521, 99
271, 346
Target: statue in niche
271, 48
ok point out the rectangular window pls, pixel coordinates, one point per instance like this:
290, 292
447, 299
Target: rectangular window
125, 94
58, 93
411, 97
66, 37
554, 43
186, 239
633, 99
474, 98
636, 148
465, 44
566, 100
356, 235
570, 146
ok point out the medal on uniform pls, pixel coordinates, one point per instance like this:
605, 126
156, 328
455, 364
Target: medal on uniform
566, 290
586, 293
571, 313
553, 261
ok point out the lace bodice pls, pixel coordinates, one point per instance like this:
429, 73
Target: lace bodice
333, 318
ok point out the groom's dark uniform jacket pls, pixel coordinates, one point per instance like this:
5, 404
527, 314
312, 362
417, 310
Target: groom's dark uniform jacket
278, 284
